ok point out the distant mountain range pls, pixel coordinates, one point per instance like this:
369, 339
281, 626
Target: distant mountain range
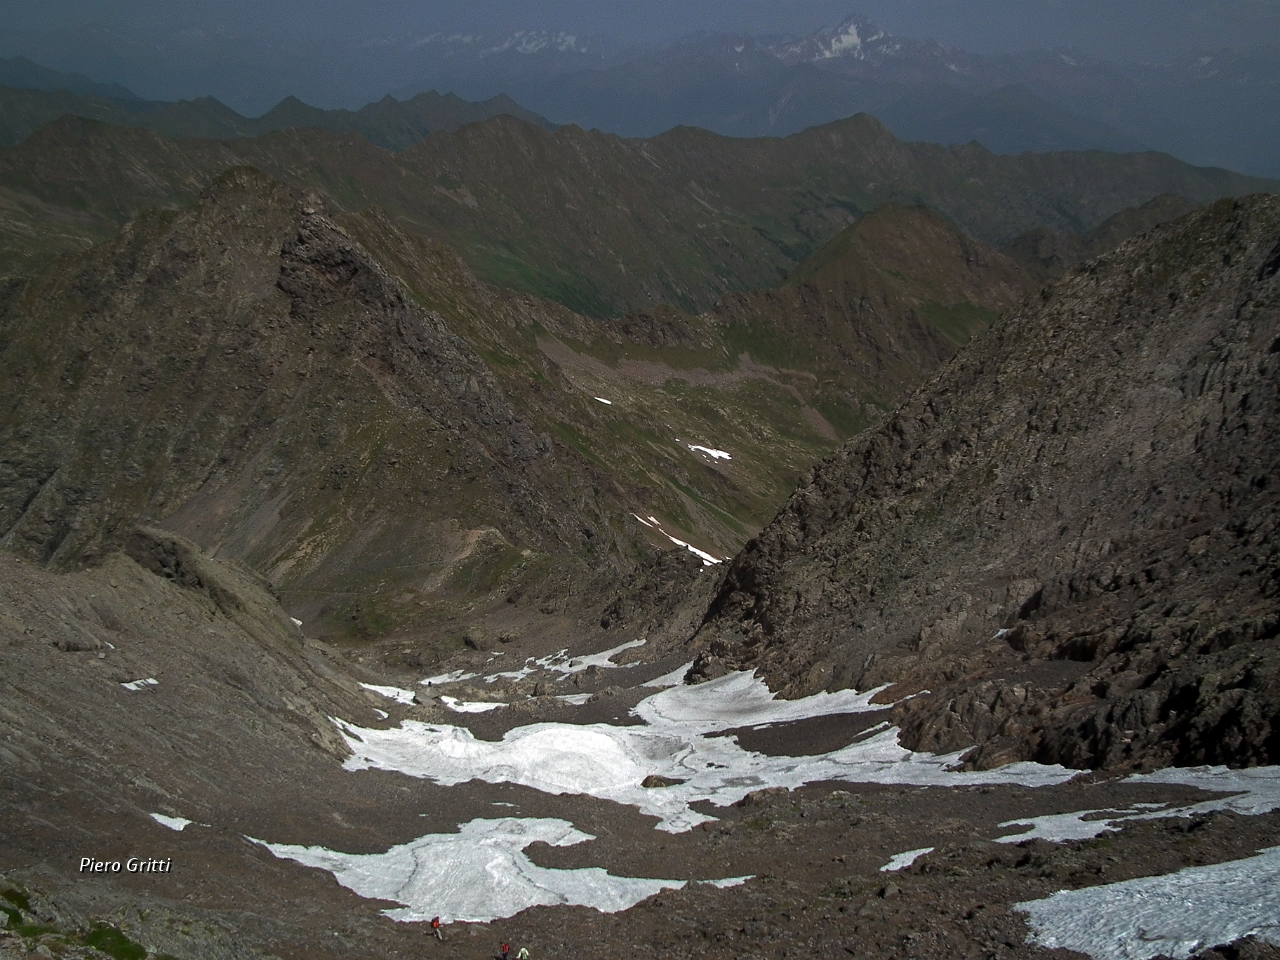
1215, 108
31, 96
600, 223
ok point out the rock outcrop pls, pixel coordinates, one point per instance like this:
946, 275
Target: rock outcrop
1068, 536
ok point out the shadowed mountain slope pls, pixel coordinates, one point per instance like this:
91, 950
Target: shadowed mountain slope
602, 224
1047, 254
1067, 535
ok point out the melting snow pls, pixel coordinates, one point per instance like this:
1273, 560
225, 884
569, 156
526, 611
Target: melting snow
603, 400
382, 714
478, 874
391, 693
706, 558
710, 452
173, 823
1176, 915
140, 684
1253, 791
900, 861
560, 662
610, 762
577, 699
296, 621
457, 676
470, 706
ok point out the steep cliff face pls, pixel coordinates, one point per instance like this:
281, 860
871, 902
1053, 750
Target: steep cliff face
1068, 535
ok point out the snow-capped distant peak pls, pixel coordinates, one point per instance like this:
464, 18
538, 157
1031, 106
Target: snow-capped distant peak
848, 41
852, 38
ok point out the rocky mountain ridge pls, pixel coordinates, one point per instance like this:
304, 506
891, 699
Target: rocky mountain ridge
1066, 535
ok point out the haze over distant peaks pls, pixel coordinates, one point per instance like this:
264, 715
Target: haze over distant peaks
855, 37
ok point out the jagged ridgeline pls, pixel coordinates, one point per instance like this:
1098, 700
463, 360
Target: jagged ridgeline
1068, 534
391, 124
342, 406
599, 223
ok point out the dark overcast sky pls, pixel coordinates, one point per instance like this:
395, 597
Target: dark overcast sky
1114, 28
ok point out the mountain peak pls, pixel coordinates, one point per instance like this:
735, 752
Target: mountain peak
855, 36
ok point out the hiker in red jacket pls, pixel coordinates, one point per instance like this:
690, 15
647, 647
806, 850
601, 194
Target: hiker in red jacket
506, 949
435, 928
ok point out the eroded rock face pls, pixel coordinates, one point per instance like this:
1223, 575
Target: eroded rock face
1068, 535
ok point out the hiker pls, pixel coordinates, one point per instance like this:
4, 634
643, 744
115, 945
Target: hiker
523, 954
435, 928
506, 949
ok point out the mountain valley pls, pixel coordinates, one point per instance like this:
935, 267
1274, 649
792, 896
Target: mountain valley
389, 535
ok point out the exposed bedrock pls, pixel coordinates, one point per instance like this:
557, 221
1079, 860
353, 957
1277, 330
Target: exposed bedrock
1067, 536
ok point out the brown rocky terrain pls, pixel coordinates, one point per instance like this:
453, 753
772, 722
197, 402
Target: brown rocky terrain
1067, 535
234, 736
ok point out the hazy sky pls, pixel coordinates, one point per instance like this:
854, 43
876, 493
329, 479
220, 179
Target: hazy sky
1116, 28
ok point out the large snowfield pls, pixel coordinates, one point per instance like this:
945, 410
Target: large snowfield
675, 741
1175, 915
479, 873
482, 873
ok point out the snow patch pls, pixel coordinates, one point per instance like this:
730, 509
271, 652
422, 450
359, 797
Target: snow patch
710, 452
457, 676
654, 523
604, 401
470, 706
675, 741
706, 558
391, 693
560, 662
900, 861
1250, 792
296, 621
843, 43
173, 823
140, 684
1176, 915
478, 874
